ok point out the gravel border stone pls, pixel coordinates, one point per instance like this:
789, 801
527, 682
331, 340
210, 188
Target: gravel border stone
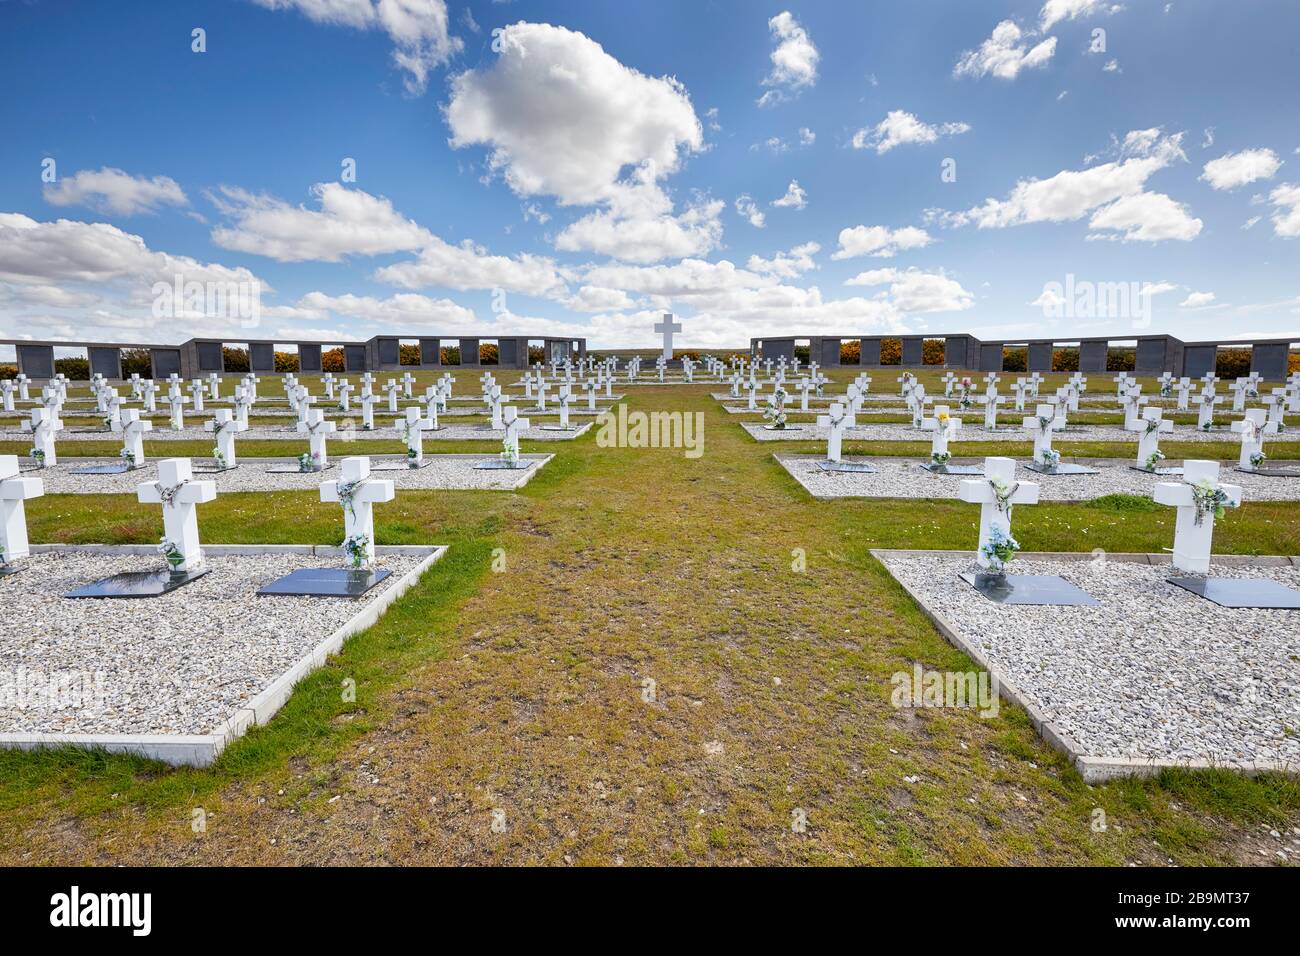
1153, 676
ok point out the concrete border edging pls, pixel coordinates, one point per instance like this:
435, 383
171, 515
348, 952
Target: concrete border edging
1093, 769
201, 750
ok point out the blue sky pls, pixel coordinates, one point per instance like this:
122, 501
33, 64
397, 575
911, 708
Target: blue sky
757, 169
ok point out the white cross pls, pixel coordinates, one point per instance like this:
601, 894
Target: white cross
251, 382
1239, 388
1205, 417
24, 383
178, 495
996, 493
367, 382
243, 402
591, 394
1131, 400
566, 395
328, 381
214, 386
176, 402
834, 420
303, 400
1194, 497
7, 393
196, 395
1047, 419
413, 428
390, 390
514, 425
224, 427
132, 428
113, 409
432, 400
493, 397
345, 391
317, 429
44, 426
804, 386
358, 493
1148, 429
149, 393
666, 328
1253, 428
14, 490
408, 385
949, 382
1019, 389
541, 395
945, 429
751, 387
1035, 381
368, 399
991, 403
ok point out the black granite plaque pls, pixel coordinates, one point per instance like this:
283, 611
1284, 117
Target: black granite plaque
209, 466
326, 582
559, 428
401, 465
1271, 472
951, 469
295, 470
1242, 592
10, 567
1062, 469
1041, 589
137, 584
1157, 471
113, 468
858, 467
497, 464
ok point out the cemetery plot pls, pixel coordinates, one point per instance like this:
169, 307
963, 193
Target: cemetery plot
442, 472
906, 478
291, 434
877, 432
180, 675
1151, 675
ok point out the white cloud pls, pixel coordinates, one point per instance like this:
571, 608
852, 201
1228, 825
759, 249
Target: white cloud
1286, 212
747, 208
592, 298
1112, 66
1145, 217
470, 266
794, 60
561, 117
879, 241
1004, 54
794, 198
404, 310
806, 136
113, 191
349, 222
1113, 193
1196, 300
1055, 11
916, 291
900, 128
418, 29
787, 265
1237, 169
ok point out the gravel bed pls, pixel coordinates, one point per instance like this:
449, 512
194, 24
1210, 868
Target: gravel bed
905, 478
272, 433
177, 664
1093, 433
1152, 672
444, 472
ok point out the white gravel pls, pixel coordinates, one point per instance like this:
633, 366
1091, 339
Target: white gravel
905, 478
1093, 433
444, 472
1151, 672
177, 664
280, 433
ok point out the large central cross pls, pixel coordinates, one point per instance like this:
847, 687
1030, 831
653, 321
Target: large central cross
358, 493
666, 328
178, 495
996, 493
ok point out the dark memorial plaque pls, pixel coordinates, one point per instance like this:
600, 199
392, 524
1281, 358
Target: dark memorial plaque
295, 470
113, 468
1242, 592
1051, 589
137, 584
1061, 469
10, 567
858, 467
785, 428
401, 465
1271, 472
496, 464
934, 469
209, 466
1157, 471
557, 428
325, 582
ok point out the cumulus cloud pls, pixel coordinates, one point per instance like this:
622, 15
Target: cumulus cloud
915, 291
794, 60
561, 117
747, 208
787, 265
1196, 300
471, 266
1055, 11
113, 191
794, 198
1112, 193
418, 29
1004, 54
1286, 210
879, 241
1237, 169
900, 128
348, 222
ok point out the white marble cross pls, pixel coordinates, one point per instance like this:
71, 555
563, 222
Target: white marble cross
214, 386
390, 392
1131, 401
852, 399
541, 395
1047, 419
132, 428
494, 399
328, 381
1149, 428
565, 396
1035, 382
358, 493
991, 402
242, 403
7, 394
590, 388
1197, 497
996, 494
368, 399
944, 428
149, 395
1253, 428
1239, 389
408, 385
251, 382
176, 403
1205, 415
514, 426
949, 380
413, 428
835, 420
1019, 390
666, 328
14, 490
224, 427
24, 384
44, 426
178, 495
751, 387
196, 395
1123, 383
1184, 389
317, 430
345, 392
303, 401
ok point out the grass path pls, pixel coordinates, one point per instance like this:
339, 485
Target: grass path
525, 691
